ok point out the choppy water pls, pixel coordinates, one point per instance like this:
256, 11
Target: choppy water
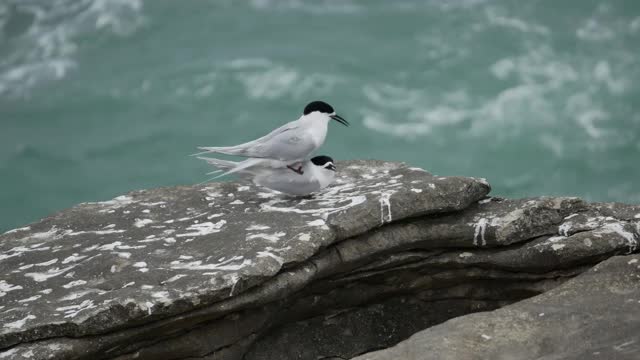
98, 97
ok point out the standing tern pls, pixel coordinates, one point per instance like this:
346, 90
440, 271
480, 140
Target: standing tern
317, 173
291, 143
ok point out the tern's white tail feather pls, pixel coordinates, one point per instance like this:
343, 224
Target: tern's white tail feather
232, 167
219, 163
238, 150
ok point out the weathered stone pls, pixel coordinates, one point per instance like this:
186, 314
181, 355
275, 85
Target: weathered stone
228, 271
594, 316
138, 258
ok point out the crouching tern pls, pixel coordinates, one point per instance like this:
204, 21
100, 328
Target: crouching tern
292, 143
317, 174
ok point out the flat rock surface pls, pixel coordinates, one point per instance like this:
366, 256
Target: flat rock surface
150, 254
593, 316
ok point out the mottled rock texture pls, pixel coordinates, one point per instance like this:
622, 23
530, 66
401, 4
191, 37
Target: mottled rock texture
231, 271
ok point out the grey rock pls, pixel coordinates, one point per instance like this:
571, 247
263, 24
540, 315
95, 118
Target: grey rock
148, 255
593, 316
229, 271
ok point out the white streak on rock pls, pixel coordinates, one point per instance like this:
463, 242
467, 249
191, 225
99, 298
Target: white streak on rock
187, 218
417, 191
234, 278
324, 211
564, 228
557, 247
19, 323
236, 202
304, 237
47, 263
153, 203
95, 232
269, 237
243, 188
142, 222
162, 297
480, 229
618, 228
225, 265
385, 202
26, 228
73, 258
39, 277
74, 283
107, 247
319, 222
465, 255
29, 299
204, 228
258, 227
174, 278
73, 310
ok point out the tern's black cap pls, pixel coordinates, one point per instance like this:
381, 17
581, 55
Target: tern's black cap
321, 160
321, 106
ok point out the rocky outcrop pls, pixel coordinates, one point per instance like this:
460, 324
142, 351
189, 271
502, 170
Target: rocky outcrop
230, 271
593, 316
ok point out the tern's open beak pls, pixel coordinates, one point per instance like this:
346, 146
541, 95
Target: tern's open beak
339, 119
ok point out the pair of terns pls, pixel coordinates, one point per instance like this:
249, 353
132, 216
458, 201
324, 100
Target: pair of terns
280, 160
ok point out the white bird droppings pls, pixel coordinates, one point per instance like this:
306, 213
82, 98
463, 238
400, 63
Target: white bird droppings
480, 229
257, 227
304, 237
204, 228
142, 222
269, 237
5, 287
19, 323
74, 283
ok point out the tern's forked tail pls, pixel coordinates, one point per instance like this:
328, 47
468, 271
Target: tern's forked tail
232, 167
227, 150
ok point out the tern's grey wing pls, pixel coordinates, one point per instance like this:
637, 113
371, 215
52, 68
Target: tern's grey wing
290, 144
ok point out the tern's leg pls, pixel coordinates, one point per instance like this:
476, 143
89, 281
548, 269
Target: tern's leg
297, 170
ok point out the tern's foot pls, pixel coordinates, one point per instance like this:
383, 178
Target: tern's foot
297, 170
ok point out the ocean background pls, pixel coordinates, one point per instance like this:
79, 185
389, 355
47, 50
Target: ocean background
100, 97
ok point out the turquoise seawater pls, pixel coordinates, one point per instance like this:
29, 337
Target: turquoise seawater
100, 97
